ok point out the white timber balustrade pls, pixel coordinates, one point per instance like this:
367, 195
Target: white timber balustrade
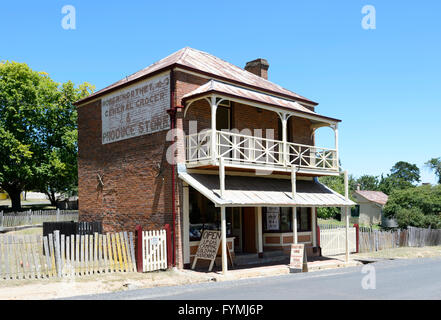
237, 149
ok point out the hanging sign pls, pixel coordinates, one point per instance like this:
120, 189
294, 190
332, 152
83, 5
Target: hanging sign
136, 110
208, 247
272, 218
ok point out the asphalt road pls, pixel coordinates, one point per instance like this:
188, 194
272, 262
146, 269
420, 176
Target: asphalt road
395, 279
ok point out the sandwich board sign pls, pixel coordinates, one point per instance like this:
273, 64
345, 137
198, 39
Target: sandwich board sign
298, 261
208, 247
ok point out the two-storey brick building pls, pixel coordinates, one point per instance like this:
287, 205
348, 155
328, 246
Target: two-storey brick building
242, 158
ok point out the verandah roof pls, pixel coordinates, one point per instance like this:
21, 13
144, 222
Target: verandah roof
229, 90
241, 191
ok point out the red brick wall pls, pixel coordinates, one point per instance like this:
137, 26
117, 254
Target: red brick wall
132, 192
245, 116
301, 131
186, 83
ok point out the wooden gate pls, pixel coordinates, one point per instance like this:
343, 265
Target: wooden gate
154, 250
333, 241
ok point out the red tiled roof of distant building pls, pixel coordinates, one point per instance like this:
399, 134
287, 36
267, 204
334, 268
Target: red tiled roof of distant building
374, 196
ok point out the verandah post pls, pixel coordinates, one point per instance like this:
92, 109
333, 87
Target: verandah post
318, 235
224, 241
347, 214
213, 106
294, 225
139, 248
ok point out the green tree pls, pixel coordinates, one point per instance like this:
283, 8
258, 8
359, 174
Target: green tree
419, 206
403, 175
58, 170
336, 183
406, 171
368, 182
435, 165
37, 131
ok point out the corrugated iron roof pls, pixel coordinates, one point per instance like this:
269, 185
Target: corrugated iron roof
207, 63
255, 191
374, 196
240, 92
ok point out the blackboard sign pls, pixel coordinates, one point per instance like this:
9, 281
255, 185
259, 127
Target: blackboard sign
208, 247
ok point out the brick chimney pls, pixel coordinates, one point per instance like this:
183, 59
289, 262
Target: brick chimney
258, 67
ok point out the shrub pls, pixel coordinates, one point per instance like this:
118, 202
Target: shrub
418, 207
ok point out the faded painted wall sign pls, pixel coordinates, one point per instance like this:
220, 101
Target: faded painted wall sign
208, 247
137, 110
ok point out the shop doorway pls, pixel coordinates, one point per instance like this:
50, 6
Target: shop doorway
249, 230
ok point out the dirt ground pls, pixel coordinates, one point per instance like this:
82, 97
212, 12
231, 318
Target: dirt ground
66, 287
402, 253
27, 231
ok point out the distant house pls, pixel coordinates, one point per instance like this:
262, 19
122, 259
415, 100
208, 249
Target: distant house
369, 208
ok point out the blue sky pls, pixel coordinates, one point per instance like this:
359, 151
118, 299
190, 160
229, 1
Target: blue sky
384, 83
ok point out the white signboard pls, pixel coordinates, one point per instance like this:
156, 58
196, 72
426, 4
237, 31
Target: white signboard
137, 110
298, 260
272, 218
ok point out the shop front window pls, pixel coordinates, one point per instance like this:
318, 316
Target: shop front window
277, 219
205, 216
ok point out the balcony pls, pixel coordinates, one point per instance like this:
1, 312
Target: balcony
252, 152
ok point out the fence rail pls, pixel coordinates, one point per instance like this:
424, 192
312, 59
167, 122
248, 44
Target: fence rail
55, 255
15, 219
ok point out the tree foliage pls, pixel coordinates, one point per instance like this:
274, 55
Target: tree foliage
368, 182
403, 175
336, 183
418, 206
38, 131
435, 165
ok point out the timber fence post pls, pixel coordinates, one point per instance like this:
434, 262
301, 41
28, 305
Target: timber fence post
139, 248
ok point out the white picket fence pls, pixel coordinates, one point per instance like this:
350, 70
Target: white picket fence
333, 241
36, 217
154, 250
36, 257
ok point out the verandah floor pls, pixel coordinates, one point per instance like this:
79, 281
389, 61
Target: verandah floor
245, 261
